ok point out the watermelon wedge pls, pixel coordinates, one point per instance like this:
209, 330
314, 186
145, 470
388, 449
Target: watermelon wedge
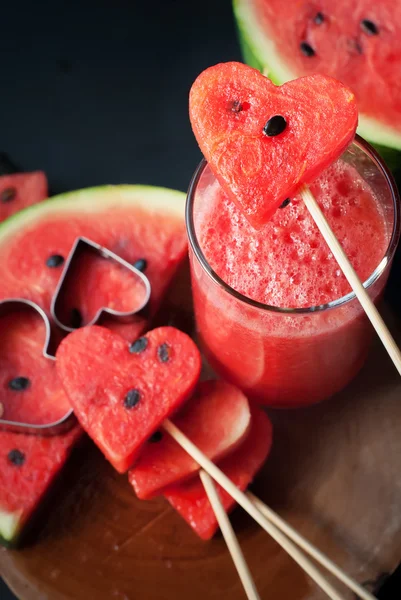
19, 190
190, 499
120, 392
357, 43
28, 466
216, 419
262, 141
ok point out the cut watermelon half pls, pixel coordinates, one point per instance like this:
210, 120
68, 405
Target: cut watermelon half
216, 420
263, 141
120, 392
142, 224
357, 43
190, 499
19, 190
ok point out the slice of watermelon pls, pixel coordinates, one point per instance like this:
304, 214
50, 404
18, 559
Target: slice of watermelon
142, 224
122, 393
358, 43
30, 389
216, 420
28, 466
19, 190
190, 499
262, 141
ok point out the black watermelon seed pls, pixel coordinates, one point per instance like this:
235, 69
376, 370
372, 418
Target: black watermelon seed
236, 106
132, 398
19, 384
139, 345
156, 437
16, 457
274, 126
285, 203
369, 27
307, 49
319, 18
75, 318
141, 264
8, 194
55, 260
163, 352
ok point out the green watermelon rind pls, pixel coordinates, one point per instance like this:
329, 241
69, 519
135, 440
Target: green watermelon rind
9, 527
257, 47
163, 200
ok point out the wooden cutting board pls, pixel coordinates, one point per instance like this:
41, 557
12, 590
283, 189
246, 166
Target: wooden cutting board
334, 473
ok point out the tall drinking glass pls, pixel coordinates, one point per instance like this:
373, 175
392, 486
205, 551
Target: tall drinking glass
283, 356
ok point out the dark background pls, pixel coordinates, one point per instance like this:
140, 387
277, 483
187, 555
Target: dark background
96, 92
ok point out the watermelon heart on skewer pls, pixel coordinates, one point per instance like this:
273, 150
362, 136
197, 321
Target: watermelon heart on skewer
216, 419
120, 392
190, 500
262, 141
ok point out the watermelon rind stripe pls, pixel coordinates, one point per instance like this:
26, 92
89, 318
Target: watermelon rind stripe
91, 200
260, 52
9, 526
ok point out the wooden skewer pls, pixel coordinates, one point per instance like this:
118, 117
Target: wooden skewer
229, 537
310, 548
247, 505
352, 278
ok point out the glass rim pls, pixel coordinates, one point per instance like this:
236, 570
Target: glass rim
363, 145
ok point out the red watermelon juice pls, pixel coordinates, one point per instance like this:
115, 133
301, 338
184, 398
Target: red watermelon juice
274, 312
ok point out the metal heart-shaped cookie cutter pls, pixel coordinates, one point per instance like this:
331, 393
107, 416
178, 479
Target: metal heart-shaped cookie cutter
81, 245
68, 420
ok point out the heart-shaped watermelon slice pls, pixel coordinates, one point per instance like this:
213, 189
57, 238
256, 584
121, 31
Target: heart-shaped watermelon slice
263, 141
216, 419
120, 392
190, 498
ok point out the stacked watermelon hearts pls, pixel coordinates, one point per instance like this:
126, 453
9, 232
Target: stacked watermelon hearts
261, 141
121, 395
190, 499
216, 420
142, 224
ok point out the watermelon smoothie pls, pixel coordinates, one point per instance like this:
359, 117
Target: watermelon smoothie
274, 312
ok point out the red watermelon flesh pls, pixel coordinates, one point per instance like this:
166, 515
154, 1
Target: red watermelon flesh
231, 105
138, 223
217, 420
94, 283
358, 43
121, 394
190, 499
28, 465
30, 391
19, 190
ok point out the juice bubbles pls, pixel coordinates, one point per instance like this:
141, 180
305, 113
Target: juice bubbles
275, 314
